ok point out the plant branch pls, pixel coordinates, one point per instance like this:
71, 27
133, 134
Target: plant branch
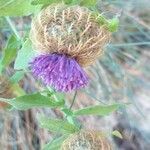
73, 100
13, 27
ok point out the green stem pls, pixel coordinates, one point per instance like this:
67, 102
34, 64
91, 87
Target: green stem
13, 28
74, 97
71, 119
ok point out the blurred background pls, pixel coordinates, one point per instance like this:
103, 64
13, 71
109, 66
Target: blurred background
121, 75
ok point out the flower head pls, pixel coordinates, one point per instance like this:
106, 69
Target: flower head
59, 71
66, 38
89, 140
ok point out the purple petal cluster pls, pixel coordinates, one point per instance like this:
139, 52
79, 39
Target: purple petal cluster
59, 71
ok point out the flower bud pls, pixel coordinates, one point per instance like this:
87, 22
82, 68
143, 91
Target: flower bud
86, 140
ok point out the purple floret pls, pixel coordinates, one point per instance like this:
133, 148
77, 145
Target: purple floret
59, 71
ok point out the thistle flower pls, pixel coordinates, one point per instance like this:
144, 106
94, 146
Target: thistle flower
66, 38
89, 140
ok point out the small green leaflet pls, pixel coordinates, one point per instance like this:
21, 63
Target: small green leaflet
68, 1
113, 25
69, 115
117, 134
25, 55
55, 144
17, 77
56, 125
17, 8
9, 52
44, 2
88, 3
101, 110
32, 101
67, 111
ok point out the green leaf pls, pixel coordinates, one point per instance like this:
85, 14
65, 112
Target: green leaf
88, 3
68, 1
44, 2
55, 125
9, 52
97, 110
17, 77
113, 25
55, 144
17, 8
117, 134
25, 55
67, 112
31, 101
3, 23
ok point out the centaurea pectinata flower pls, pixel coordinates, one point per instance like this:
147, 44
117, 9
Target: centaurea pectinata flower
67, 38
